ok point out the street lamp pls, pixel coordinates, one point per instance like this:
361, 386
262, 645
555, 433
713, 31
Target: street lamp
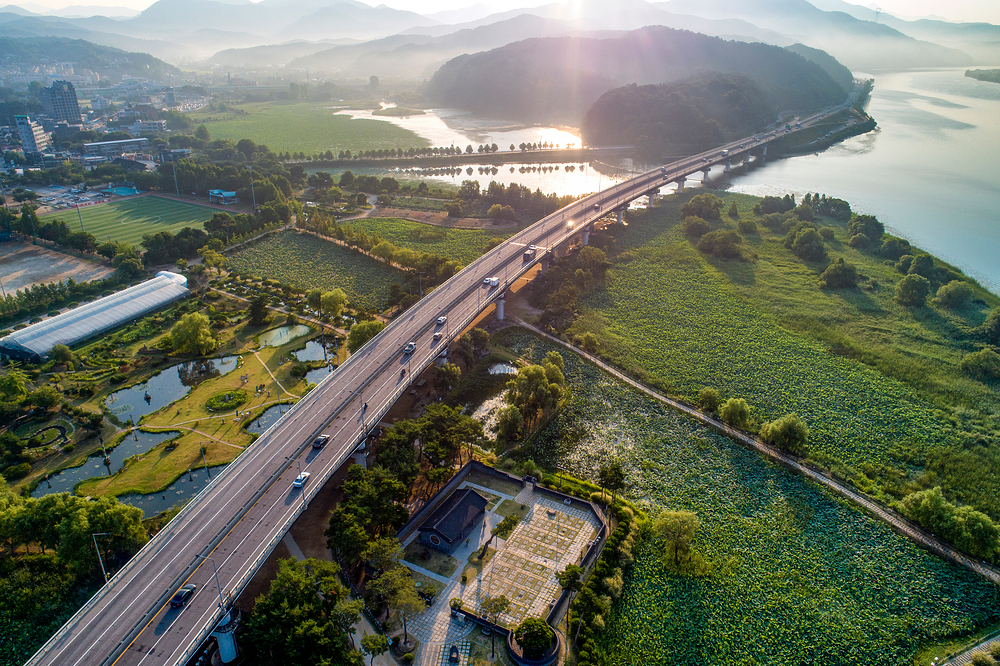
222, 604
95, 535
252, 193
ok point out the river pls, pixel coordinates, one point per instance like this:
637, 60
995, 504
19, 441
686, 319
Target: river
929, 171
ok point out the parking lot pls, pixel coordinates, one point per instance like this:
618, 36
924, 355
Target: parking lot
58, 197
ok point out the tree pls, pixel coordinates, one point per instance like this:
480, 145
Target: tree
708, 399
571, 580
13, 385
983, 364
480, 338
305, 618
531, 392
954, 295
734, 211
534, 635
314, 298
202, 133
991, 327
192, 334
454, 209
362, 332
396, 451
707, 206
735, 412
45, 397
509, 423
788, 433
839, 275
723, 243
384, 553
867, 225
61, 354
912, 291
678, 529
805, 242
374, 645
396, 586
213, 259
332, 303
446, 376
494, 607
612, 477
258, 310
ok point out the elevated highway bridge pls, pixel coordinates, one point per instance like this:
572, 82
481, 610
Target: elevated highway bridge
223, 535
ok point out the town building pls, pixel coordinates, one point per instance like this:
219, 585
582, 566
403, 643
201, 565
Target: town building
222, 197
59, 102
118, 148
34, 139
454, 520
35, 342
141, 127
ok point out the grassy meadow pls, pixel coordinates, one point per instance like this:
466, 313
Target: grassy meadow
128, 220
878, 383
461, 245
796, 576
307, 127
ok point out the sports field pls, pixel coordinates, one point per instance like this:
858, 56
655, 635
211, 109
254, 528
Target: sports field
129, 220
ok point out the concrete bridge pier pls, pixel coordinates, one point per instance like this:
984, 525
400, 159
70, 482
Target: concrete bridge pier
586, 233
544, 263
704, 176
500, 305
763, 154
442, 358
361, 456
621, 211
680, 184
729, 164
225, 634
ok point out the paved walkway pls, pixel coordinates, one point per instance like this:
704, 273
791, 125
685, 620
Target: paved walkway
966, 657
897, 522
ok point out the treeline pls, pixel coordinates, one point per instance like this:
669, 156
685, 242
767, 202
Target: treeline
165, 247
48, 566
516, 196
560, 77
991, 75
682, 117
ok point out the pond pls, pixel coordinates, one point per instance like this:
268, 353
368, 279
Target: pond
169, 386
283, 335
503, 369
319, 374
314, 351
178, 492
134, 443
268, 418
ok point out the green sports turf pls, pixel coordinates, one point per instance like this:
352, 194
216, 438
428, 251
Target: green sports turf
129, 220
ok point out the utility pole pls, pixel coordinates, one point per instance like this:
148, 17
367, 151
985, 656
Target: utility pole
80, 215
173, 167
252, 193
95, 535
222, 604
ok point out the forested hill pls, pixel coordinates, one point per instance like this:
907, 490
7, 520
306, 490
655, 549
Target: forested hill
105, 60
678, 118
558, 78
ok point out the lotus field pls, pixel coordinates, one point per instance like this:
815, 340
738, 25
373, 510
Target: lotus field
308, 262
797, 575
462, 245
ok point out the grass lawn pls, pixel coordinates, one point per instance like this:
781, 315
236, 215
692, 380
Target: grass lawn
306, 262
307, 127
128, 220
440, 563
512, 508
474, 565
797, 576
494, 483
462, 245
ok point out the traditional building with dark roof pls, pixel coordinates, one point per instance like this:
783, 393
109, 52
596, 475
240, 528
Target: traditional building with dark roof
453, 521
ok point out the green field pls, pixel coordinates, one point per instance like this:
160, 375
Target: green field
306, 127
797, 576
128, 220
461, 245
877, 383
308, 262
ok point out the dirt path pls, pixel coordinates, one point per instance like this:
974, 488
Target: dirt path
894, 520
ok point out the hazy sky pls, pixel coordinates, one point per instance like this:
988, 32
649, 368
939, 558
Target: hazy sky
954, 10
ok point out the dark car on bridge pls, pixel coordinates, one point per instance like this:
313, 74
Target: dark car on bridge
182, 595
320, 441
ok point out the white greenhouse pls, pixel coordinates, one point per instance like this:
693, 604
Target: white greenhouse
34, 342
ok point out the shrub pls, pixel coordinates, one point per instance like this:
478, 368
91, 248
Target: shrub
724, 243
983, 364
708, 399
707, 206
68, 448
955, 294
804, 212
859, 241
408, 658
694, 226
805, 242
912, 290
746, 227
735, 412
923, 265
867, 225
894, 248
15, 472
839, 275
983, 659
789, 433
774, 220
903, 265
534, 635
226, 400
734, 211
991, 327
827, 233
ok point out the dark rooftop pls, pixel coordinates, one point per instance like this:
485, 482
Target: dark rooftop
456, 514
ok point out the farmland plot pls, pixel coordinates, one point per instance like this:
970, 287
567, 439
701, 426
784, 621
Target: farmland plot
797, 577
461, 245
308, 262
